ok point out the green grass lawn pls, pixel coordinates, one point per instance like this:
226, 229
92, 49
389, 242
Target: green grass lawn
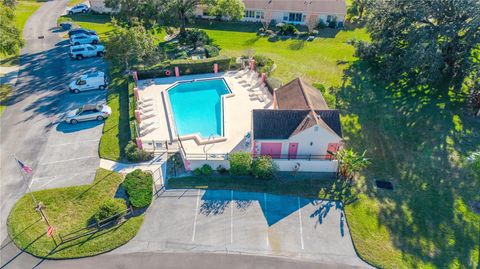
75, 2
5, 91
321, 61
23, 11
116, 131
69, 209
417, 141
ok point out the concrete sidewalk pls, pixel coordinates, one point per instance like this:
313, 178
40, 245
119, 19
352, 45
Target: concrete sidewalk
9, 74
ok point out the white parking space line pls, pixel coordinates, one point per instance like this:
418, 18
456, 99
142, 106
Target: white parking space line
196, 213
69, 160
265, 201
231, 217
73, 143
300, 219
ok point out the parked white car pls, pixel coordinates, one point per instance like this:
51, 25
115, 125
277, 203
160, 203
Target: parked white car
79, 39
89, 81
80, 8
83, 51
87, 113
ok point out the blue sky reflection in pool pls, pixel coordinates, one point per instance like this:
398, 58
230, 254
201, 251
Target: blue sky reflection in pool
197, 107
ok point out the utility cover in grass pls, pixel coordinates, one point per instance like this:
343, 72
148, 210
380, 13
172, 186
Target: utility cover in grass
382, 184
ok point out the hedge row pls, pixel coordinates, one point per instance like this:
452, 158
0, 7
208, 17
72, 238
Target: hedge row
187, 67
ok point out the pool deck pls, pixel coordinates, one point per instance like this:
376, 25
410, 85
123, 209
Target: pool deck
248, 93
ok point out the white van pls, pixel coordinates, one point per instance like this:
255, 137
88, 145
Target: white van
89, 81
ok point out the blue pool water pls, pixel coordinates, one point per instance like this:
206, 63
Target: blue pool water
197, 107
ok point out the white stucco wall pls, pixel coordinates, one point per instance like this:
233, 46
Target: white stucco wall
99, 6
313, 141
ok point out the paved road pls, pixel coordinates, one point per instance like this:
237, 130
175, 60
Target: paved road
60, 155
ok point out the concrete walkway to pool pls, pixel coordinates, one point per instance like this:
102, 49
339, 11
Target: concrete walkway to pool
246, 223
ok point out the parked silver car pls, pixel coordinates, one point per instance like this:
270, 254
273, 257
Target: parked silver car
80, 8
88, 112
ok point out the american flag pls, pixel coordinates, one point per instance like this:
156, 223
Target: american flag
24, 167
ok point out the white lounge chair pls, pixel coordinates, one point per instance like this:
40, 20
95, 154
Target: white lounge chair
145, 105
145, 100
148, 115
147, 109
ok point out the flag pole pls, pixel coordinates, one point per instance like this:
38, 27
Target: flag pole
26, 183
38, 205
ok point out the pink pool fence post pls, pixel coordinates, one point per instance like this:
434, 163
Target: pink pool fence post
138, 116
135, 93
177, 71
135, 76
215, 68
264, 77
139, 143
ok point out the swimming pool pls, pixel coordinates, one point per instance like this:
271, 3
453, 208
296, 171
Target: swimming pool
197, 107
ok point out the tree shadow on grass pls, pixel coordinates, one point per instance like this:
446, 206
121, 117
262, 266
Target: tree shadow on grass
415, 138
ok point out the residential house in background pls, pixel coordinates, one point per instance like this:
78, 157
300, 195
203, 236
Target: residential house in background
286, 11
99, 6
290, 11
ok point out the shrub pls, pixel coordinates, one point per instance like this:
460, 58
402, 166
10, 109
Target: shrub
264, 64
110, 208
264, 168
287, 30
187, 67
197, 172
134, 154
303, 34
270, 32
181, 55
222, 170
321, 24
273, 83
333, 23
138, 185
240, 163
194, 38
327, 95
206, 170
211, 51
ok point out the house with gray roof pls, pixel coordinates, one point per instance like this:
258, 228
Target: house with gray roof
300, 128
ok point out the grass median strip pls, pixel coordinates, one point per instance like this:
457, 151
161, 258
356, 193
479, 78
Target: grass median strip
70, 209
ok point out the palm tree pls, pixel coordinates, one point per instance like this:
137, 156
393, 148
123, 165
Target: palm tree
351, 162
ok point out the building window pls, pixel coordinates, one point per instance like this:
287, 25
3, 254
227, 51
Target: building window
249, 14
259, 15
295, 17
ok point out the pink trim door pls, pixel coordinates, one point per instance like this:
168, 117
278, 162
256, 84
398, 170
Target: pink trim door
292, 150
273, 150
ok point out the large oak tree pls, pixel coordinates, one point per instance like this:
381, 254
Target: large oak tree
431, 42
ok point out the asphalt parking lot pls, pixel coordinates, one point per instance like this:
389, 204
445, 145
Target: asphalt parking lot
246, 223
70, 156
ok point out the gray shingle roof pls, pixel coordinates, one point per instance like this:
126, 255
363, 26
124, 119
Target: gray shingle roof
281, 124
